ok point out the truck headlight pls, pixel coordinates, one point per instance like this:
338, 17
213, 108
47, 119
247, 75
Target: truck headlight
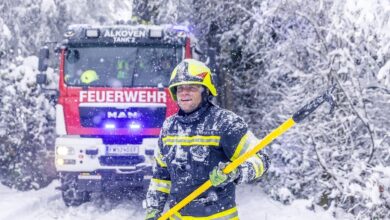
63, 150
60, 161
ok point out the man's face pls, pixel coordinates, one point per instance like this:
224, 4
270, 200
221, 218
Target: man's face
189, 97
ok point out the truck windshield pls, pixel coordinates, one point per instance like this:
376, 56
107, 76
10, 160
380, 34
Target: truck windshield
120, 66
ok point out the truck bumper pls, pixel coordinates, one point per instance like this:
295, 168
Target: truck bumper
79, 154
95, 167
112, 182
107, 180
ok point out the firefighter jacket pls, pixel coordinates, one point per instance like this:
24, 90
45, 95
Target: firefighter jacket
190, 146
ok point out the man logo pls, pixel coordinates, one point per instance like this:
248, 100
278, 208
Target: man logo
122, 114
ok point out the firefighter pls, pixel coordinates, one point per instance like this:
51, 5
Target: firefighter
89, 76
122, 67
195, 145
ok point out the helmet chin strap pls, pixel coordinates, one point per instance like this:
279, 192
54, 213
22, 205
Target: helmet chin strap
205, 95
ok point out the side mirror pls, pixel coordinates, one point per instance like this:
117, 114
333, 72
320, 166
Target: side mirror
43, 59
41, 79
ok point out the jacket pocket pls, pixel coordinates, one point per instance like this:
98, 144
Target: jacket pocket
200, 163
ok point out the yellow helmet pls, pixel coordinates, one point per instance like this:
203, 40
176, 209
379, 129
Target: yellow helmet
191, 71
89, 76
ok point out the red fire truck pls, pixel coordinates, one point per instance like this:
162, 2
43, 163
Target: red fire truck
112, 101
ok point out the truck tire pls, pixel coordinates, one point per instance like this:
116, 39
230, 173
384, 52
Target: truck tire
70, 193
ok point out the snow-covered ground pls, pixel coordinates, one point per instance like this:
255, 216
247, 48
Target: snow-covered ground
46, 204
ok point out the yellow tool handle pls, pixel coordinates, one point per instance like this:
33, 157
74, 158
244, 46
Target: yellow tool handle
233, 165
296, 118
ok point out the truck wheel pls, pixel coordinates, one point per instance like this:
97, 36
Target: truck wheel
70, 194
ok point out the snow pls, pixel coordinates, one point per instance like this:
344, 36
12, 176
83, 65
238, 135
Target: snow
5, 31
47, 6
47, 204
296, 40
384, 74
122, 13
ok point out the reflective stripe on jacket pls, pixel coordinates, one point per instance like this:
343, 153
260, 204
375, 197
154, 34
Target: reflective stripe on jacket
230, 214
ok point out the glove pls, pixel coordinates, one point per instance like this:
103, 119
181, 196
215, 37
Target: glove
152, 214
219, 179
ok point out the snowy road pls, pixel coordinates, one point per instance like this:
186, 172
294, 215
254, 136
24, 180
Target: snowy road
46, 204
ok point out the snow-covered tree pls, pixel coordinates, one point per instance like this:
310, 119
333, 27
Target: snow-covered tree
27, 115
27, 122
303, 47
274, 56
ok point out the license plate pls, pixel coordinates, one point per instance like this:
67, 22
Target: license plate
122, 149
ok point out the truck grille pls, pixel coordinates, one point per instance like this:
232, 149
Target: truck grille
121, 160
98, 117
